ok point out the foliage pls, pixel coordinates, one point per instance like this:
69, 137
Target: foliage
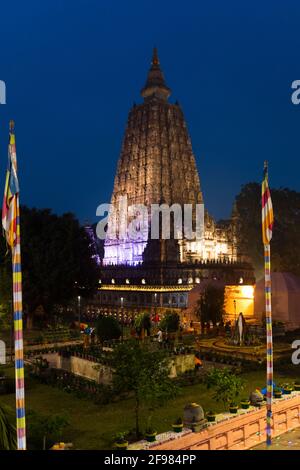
5, 297
170, 321
7, 430
7, 385
77, 386
144, 372
108, 328
210, 306
56, 259
226, 385
143, 322
121, 437
178, 421
285, 251
44, 431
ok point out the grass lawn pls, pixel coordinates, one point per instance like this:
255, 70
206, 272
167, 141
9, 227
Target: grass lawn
93, 426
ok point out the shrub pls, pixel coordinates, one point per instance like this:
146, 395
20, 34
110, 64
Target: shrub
226, 385
143, 322
170, 322
108, 328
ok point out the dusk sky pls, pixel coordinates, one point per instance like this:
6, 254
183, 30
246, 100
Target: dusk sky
74, 68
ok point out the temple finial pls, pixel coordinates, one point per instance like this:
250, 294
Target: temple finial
155, 59
155, 86
11, 126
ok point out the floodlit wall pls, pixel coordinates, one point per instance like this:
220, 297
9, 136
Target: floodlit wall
239, 298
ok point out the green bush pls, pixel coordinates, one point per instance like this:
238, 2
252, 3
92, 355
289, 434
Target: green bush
108, 328
170, 322
143, 322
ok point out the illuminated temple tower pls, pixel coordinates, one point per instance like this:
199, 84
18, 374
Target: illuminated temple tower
157, 166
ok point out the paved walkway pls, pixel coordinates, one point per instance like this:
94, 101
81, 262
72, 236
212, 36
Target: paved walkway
288, 441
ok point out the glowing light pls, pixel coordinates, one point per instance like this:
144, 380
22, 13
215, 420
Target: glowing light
241, 280
239, 298
143, 281
190, 280
197, 280
127, 281
179, 281
247, 291
112, 281
133, 288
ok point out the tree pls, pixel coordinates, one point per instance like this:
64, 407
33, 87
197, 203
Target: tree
107, 328
285, 250
5, 298
42, 429
144, 372
143, 322
210, 306
170, 322
7, 430
226, 385
57, 261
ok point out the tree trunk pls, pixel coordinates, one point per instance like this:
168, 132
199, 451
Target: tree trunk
137, 413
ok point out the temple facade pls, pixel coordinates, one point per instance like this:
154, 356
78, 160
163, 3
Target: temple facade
157, 167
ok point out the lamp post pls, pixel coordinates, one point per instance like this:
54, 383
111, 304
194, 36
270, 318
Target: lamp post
155, 306
79, 309
234, 305
122, 317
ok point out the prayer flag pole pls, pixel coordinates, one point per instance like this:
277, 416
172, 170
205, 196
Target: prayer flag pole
267, 229
11, 226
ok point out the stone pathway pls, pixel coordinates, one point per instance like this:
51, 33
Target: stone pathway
287, 441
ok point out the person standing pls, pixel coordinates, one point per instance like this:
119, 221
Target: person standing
160, 337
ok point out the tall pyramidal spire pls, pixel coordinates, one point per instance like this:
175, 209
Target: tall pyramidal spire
156, 166
155, 86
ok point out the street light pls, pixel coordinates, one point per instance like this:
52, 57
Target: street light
122, 317
79, 309
234, 305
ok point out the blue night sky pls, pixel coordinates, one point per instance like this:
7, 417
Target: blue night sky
74, 68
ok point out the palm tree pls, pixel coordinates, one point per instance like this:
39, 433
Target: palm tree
7, 430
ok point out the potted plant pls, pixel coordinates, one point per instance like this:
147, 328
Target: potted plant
287, 389
178, 425
211, 416
121, 441
233, 408
297, 386
150, 434
245, 403
277, 392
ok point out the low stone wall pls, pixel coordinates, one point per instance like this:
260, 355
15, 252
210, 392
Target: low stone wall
78, 366
240, 432
102, 373
181, 364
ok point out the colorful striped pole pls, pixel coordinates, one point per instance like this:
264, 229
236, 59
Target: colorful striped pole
269, 342
267, 232
18, 317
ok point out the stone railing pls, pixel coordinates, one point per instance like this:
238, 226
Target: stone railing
234, 432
